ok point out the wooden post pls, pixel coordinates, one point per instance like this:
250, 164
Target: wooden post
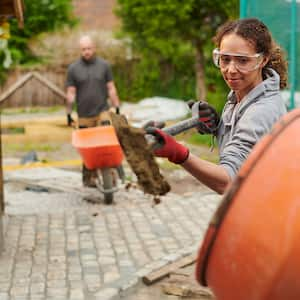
15, 8
1, 194
1, 236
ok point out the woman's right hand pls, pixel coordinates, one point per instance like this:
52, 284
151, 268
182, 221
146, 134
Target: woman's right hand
169, 147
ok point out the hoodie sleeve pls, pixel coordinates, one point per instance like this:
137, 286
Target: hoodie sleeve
257, 121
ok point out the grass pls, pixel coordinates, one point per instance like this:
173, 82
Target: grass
166, 165
32, 110
200, 139
199, 144
13, 130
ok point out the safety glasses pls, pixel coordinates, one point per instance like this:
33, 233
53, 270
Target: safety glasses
243, 63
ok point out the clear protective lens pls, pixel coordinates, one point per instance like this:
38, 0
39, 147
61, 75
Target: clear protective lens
244, 63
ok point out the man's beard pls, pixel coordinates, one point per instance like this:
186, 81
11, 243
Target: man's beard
87, 59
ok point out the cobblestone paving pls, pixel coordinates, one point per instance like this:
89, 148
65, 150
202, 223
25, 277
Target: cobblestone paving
71, 249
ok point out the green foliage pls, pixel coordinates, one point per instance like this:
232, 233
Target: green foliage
157, 24
217, 89
147, 78
200, 139
40, 16
2, 69
166, 33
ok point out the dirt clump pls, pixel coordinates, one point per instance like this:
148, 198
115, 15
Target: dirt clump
140, 157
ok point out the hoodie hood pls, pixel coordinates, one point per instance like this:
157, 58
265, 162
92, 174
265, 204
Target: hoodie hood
268, 87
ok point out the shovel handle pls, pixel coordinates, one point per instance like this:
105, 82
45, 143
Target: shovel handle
174, 130
182, 126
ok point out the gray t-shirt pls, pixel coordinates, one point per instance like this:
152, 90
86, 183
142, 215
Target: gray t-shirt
243, 124
90, 79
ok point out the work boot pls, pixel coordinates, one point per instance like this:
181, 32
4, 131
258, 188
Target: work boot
89, 177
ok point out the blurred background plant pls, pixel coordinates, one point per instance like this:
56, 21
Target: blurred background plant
162, 48
40, 16
180, 34
60, 48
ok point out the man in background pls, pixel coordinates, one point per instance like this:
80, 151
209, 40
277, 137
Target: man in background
90, 83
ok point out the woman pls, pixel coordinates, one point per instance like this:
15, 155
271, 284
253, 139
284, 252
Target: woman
254, 68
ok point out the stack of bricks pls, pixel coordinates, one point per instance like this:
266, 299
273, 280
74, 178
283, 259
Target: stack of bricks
96, 14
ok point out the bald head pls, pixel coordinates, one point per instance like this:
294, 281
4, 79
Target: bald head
87, 47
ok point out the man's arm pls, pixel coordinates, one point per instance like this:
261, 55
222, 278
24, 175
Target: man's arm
71, 92
113, 94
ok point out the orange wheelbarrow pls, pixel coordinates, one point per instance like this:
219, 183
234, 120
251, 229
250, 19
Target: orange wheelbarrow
100, 150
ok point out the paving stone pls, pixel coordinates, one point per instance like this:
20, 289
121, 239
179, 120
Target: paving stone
107, 294
77, 284
56, 283
37, 288
19, 291
57, 292
76, 294
37, 297
61, 251
4, 287
4, 296
111, 276
74, 276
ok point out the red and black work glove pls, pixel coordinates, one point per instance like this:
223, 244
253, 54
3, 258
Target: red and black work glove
169, 147
70, 121
208, 117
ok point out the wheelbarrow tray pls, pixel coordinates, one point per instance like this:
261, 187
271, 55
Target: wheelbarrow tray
98, 146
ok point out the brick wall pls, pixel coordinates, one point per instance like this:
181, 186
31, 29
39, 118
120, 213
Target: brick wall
96, 14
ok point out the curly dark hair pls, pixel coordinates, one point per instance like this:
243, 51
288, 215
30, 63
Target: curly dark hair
258, 34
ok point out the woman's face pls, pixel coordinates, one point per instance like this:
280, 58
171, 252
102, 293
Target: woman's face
240, 65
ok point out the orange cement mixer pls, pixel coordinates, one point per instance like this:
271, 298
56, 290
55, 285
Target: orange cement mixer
251, 250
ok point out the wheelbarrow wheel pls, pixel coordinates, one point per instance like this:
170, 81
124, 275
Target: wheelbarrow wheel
108, 184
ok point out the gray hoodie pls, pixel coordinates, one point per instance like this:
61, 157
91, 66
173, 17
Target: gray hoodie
243, 124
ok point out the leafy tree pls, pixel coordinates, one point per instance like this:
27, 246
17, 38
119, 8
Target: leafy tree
166, 27
40, 16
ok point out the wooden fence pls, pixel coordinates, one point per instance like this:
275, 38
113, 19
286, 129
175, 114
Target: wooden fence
32, 88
